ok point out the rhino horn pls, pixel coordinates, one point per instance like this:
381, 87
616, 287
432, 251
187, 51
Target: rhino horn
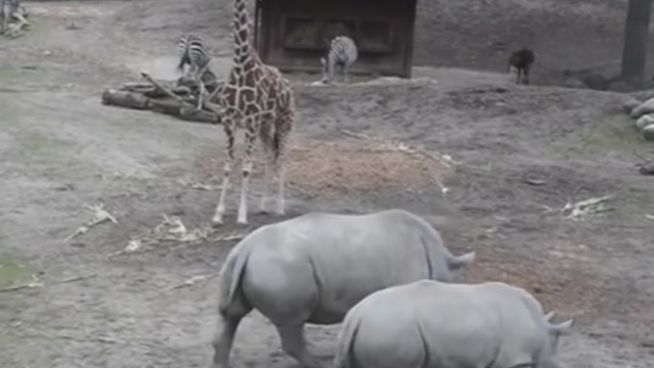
456, 263
561, 328
548, 317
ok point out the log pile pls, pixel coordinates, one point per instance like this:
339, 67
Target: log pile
12, 24
177, 99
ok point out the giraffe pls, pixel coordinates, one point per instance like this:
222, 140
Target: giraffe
259, 100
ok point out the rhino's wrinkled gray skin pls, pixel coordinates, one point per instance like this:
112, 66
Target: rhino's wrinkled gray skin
315, 267
429, 324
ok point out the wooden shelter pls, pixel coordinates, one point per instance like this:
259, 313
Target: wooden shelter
294, 34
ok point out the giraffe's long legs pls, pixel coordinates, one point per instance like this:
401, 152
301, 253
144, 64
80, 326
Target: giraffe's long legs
250, 138
267, 177
4, 15
281, 136
227, 168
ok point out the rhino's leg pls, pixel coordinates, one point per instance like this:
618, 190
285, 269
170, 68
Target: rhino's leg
294, 344
222, 343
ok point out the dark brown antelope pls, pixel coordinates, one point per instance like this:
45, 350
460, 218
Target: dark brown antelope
520, 61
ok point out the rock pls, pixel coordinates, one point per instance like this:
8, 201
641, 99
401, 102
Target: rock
630, 104
642, 109
644, 121
648, 133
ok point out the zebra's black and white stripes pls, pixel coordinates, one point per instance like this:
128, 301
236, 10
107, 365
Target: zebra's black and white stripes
192, 53
341, 54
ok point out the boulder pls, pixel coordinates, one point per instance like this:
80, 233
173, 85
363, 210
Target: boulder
630, 104
642, 109
648, 133
645, 120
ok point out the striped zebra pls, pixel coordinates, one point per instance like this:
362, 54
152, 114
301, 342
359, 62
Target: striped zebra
194, 54
341, 54
11, 9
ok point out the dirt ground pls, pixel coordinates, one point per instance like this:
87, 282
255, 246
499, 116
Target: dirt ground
522, 154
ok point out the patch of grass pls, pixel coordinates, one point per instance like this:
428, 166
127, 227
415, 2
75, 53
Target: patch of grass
7, 72
614, 133
37, 143
11, 272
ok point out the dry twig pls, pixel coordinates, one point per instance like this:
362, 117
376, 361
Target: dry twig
190, 282
171, 228
100, 215
586, 207
36, 283
165, 90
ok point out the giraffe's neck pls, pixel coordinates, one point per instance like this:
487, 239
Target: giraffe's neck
244, 57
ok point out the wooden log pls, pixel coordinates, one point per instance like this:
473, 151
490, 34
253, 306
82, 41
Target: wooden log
167, 91
167, 106
174, 108
136, 85
183, 92
198, 116
125, 99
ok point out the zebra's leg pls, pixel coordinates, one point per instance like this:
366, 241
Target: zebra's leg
346, 72
202, 91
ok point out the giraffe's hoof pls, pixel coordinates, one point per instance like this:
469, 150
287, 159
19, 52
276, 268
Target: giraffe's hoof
216, 221
242, 219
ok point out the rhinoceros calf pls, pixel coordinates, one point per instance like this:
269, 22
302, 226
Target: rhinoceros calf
430, 324
315, 267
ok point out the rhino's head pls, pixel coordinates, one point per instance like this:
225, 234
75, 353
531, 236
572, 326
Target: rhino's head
554, 331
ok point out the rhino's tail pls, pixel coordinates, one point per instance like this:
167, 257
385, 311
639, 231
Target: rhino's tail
346, 337
232, 272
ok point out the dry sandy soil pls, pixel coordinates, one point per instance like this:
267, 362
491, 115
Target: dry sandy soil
523, 153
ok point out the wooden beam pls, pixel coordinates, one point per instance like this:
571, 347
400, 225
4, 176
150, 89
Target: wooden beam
636, 37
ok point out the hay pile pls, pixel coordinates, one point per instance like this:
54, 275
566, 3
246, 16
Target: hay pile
332, 169
327, 168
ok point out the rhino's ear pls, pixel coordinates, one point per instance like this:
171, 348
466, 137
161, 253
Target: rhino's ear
548, 317
456, 263
563, 327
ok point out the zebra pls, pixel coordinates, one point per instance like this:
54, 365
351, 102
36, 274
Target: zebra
194, 54
341, 54
11, 9
520, 61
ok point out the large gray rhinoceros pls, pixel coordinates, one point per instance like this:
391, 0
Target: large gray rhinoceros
431, 324
315, 267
